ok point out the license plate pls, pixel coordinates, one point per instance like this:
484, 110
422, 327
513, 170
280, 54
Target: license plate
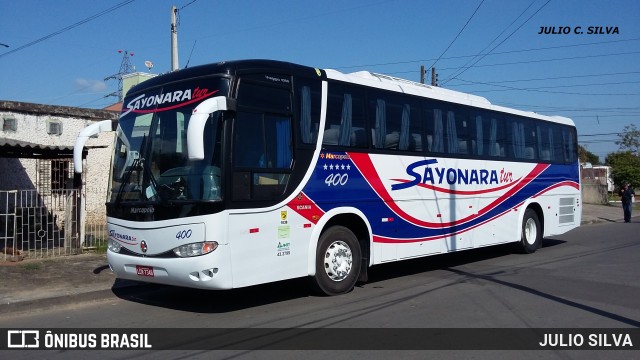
144, 270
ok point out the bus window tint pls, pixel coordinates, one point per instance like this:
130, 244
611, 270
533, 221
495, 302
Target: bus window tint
263, 149
443, 125
309, 102
395, 123
345, 124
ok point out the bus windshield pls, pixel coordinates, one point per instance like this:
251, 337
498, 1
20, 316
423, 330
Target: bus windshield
151, 162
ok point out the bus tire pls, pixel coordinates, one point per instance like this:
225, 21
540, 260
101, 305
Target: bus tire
338, 261
531, 237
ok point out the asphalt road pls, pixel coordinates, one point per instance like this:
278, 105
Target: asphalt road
587, 278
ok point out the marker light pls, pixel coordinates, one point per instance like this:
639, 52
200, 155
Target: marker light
195, 249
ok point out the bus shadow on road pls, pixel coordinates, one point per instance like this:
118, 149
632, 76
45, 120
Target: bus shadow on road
214, 301
448, 260
222, 301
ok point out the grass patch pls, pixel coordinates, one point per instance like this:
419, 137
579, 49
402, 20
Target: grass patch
31, 266
96, 246
101, 247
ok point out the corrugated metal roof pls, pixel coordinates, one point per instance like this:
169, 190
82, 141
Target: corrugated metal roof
24, 149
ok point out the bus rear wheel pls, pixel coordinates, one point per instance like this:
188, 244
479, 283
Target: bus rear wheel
338, 261
531, 238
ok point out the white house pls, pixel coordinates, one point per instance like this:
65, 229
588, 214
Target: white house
37, 181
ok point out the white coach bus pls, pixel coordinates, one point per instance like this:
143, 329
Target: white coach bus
247, 172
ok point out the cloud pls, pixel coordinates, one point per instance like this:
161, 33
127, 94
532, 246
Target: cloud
90, 85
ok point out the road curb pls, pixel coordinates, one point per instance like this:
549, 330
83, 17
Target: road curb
116, 291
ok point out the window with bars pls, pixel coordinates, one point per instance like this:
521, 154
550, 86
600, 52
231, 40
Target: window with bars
55, 174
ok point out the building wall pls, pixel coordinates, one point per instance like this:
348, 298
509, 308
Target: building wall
17, 173
97, 168
31, 121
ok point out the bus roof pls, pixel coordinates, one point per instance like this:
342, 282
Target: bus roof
387, 82
364, 78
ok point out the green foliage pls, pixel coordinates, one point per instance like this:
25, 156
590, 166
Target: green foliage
625, 168
630, 139
586, 156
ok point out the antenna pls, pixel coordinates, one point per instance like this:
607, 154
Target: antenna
125, 68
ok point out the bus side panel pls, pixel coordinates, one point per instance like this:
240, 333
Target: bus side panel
268, 246
418, 206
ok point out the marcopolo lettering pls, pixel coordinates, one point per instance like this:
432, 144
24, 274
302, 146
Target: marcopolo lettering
142, 210
442, 175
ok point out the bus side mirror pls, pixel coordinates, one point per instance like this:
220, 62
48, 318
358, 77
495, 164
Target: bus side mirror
199, 117
85, 134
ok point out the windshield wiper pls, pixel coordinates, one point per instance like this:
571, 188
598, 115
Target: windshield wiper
126, 178
136, 162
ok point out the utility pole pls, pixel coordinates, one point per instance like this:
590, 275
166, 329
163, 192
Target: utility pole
421, 74
434, 77
174, 39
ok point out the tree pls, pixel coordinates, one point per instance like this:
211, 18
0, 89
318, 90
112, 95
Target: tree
630, 139
586, 156
625, 168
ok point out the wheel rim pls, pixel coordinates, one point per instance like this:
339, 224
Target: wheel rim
338, 260
530, 231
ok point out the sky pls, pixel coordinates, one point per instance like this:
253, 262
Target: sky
585, 67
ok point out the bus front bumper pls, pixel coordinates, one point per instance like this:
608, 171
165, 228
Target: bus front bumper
210, 271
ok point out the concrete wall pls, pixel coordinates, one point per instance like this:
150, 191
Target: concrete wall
594, 193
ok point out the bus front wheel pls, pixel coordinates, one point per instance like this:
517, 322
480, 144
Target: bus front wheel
338, 260
531, 232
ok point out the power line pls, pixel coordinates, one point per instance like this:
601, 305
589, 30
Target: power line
567, 77
597, 141
560, 108
508, 88
93, 17
460, 32
184, 6
543, 91
607, 116
533, 61
492, 54
499, 35
505, 39
604, 134
556, 59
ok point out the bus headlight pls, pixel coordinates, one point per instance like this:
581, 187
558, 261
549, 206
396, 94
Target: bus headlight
114, 246
195, 249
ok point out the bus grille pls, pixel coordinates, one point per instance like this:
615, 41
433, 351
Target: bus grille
566, 215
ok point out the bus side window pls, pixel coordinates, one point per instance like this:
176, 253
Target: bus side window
394, 122
263, 155
433, 119
262, 140
309, 102
333, 124
345, 124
